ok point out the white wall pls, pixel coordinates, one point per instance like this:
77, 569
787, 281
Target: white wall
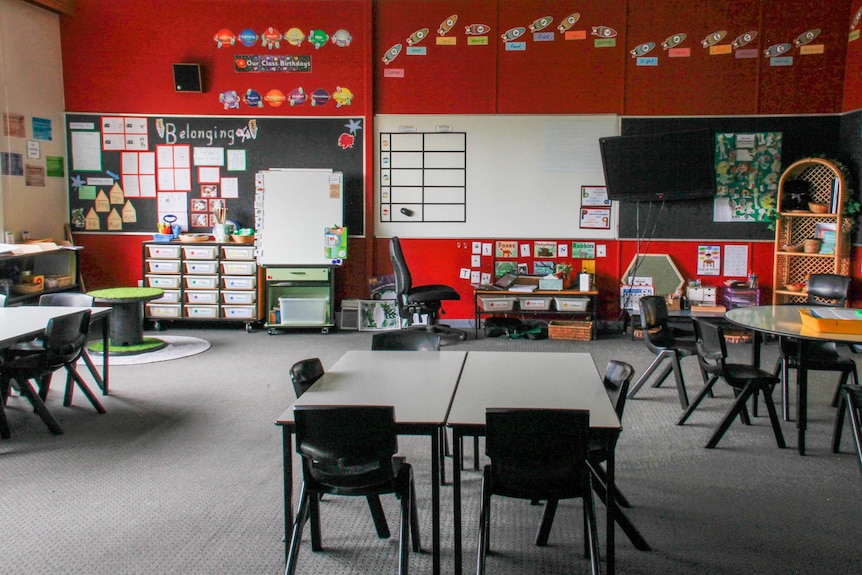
31, 84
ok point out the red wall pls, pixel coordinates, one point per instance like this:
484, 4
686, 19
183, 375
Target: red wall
117, 58
852, 77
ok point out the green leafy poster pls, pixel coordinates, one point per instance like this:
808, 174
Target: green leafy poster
747, 169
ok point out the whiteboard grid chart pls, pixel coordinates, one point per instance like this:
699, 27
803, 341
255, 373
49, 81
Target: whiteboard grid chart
423, 177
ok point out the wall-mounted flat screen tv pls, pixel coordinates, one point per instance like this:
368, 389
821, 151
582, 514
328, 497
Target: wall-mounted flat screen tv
665, 166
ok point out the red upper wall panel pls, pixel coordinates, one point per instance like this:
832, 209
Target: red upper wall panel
577, 70
118, 56
442, 72
687, 78
812, 80
852, 77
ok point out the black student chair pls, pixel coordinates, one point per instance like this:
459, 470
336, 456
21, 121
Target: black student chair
662, 340
618, 376
823, 290
405, 340
63, 343
538, 454
303, 374
349, 450
746, 380
423, 300
851, 402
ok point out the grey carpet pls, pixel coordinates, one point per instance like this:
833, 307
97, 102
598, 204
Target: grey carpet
179, 346
183, 476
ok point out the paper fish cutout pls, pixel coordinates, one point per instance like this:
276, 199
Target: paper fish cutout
744, 39
604, 32
417, 36
776, 50
540, 24
713, 38
513, 34
806, 37
568, 22
476, 29
447, 24
673, 41
642, 49
391, 54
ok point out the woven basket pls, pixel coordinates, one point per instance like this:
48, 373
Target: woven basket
811, 246
578, 330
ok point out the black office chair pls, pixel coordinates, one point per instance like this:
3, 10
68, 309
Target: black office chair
746, 380
851, 400
64, 340
423, 300
824, 290
405, 340
303, 374
662, 340
348, 450
538, 454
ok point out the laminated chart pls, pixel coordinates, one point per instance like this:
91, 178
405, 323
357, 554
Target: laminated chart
423, 177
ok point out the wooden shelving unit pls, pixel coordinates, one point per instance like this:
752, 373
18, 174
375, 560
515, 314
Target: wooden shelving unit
827, 186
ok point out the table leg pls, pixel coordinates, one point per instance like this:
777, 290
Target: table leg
610, 508
801, 398
435, 498
127, 323
456, 498
287, 460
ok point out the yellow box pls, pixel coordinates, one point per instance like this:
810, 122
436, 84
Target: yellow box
830, 325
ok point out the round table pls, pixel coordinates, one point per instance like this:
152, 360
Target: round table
127, 312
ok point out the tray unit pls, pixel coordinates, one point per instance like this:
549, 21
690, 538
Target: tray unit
497, 303
535, 303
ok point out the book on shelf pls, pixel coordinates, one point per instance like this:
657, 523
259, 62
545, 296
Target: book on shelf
834, 208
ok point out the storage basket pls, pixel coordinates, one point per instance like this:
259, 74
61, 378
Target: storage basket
579, 330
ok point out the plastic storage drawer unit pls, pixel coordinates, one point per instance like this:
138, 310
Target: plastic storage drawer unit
238, 297
202, 267
238, 311
200, 252
202, 297
239, 282
163, 310
163, 266
202, 311
571, 303
238, 268
163, 252
237, 252
303, 311
535, 303
169, 282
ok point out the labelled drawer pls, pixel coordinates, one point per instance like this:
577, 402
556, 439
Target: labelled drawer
202, 311
163, 310
201, 267
239, 282
298, 274
202, 296
163, 252
496, 303
237, 252
239, 297
164, 282
239, 311
170, 296
163, 266
238, 268
572, 303
200, 252
535, 303
201, 282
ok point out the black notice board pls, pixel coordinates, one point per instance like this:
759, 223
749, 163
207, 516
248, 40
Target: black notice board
96, 145
802, 136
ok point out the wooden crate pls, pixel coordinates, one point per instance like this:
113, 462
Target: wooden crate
579, 330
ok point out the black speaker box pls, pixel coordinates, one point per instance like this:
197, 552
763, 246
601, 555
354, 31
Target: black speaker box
188, 78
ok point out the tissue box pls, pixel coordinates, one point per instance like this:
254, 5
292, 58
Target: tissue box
551, 284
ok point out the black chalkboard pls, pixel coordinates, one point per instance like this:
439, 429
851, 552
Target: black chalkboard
265, 143
802, 136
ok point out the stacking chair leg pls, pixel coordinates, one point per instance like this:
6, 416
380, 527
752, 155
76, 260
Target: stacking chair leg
379, 517
707, 390
547, 522
296, 536
73, 376
591, 534
39, 407
600, 477
5, 432
846, 402
845, 376
737, 409
484, 523
677, 372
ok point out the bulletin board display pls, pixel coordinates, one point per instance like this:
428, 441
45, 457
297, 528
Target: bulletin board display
517, 176
130, 172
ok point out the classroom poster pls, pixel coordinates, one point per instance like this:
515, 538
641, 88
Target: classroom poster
708, 260
747, 169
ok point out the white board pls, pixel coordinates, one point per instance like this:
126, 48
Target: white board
297, 207
523, 177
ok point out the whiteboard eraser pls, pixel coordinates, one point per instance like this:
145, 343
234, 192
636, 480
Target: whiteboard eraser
444, 128
406, 129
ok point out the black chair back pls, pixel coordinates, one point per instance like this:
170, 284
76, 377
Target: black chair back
403, 279
538, 453
304, 373
346, 448
618, 377
828, 289
654, 323
65, 338
66, 299
406, 340
711, 347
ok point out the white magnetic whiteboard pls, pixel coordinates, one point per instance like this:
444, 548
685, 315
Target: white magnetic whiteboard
297, 206
523, 175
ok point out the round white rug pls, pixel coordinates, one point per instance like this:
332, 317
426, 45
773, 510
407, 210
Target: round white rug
178, 346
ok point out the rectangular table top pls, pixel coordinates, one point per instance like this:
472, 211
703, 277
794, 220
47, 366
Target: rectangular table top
530, 380
419, 384
26, 322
